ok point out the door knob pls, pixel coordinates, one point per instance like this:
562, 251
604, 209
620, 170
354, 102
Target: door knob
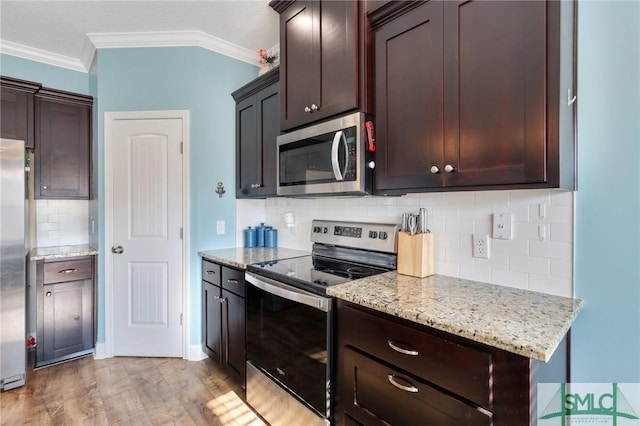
314, 107
48, 294
117, 249
449, 168
434, 169
307, 109
45, 187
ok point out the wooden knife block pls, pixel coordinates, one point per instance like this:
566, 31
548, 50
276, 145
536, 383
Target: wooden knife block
415, 254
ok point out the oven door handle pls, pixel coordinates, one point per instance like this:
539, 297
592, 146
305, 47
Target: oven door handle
287, 292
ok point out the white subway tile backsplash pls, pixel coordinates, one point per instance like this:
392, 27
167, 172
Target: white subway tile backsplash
61, 222
551, 250
523, 262
529, 264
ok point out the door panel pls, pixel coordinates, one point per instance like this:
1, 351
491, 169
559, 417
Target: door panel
147, 221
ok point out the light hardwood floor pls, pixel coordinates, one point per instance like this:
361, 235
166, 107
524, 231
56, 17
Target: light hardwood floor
127, 391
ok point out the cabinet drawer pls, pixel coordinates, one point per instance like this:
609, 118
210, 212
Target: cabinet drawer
69, 270
211, 272
463, 370
378, 394
233, 280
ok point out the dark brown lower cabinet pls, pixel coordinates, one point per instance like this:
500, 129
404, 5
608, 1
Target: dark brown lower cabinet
395, 372
65, 319
223, 316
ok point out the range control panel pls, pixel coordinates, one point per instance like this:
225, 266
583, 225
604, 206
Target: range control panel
369, 236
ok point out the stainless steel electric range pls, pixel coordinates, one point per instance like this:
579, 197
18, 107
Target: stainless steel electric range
289, 319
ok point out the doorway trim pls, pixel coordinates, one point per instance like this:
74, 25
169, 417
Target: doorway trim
109, 119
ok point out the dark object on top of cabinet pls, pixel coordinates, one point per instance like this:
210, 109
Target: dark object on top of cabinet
223, 316
257, 127
16, 112
65, 318
394, 371
63, 139
322, 60
471, 95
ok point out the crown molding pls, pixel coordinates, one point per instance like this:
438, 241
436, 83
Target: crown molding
38, 55
172, 39
96, 41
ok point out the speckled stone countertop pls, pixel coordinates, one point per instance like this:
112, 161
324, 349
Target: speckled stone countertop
240, 257
524, 322
61, 252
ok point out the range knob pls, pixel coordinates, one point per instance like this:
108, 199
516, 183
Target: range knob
316, 229
324, 230
373, 234
382, 235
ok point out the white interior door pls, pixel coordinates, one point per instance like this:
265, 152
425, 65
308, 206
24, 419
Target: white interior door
147, 251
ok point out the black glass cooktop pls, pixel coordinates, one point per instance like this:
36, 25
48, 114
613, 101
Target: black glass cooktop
313, 273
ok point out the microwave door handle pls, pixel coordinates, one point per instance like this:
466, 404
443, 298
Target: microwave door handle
335, 146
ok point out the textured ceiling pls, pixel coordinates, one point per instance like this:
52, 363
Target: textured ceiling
61, 26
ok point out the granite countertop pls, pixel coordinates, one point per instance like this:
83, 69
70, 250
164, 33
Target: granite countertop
61, 252
240, 257
524, 322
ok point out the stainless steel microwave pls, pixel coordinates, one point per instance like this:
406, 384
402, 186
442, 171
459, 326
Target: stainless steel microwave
335, 157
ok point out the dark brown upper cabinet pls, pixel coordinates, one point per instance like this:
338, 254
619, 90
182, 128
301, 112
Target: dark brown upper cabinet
474, 95
63, 145
16, 110
257, 127
322, 58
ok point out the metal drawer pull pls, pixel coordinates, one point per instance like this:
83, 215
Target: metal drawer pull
210, 272
232, 280
407, 388
67, 271
394, 345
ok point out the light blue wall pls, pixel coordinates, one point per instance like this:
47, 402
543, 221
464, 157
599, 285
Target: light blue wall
606, 336
186, 78
48, 75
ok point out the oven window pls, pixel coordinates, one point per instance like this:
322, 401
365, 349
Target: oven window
309, 161
288, 340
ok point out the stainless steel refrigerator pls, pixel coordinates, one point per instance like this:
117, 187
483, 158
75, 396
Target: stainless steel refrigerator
13, 251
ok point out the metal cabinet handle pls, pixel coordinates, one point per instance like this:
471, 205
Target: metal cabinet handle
394, 345
307, 109
314, 107
393, 379
48, 294
210, 272
256, 185
117, 249
232, 280
449, 168
434, 169
67, 271
45, 187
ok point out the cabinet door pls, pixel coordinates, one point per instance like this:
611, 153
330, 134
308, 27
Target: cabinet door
494, 84
68, 318
409, 100
17, 115
63, 139
319, 61
211, 321
258, 126
234, 331
378, 394
299, 62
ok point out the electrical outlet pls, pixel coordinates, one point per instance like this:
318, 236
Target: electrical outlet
220, 227
481, 246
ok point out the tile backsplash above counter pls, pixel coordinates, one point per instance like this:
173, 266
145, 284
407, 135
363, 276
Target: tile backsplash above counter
61, 222
539, 257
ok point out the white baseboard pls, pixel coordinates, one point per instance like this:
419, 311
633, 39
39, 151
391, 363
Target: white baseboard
195, 353
101, 351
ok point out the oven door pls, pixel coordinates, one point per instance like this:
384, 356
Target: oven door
289, 339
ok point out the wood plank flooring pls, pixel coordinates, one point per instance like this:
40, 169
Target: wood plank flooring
128, 391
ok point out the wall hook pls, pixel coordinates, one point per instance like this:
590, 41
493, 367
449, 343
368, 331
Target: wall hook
220, 189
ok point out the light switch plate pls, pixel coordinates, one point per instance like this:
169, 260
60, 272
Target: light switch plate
502, 227
220, 227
